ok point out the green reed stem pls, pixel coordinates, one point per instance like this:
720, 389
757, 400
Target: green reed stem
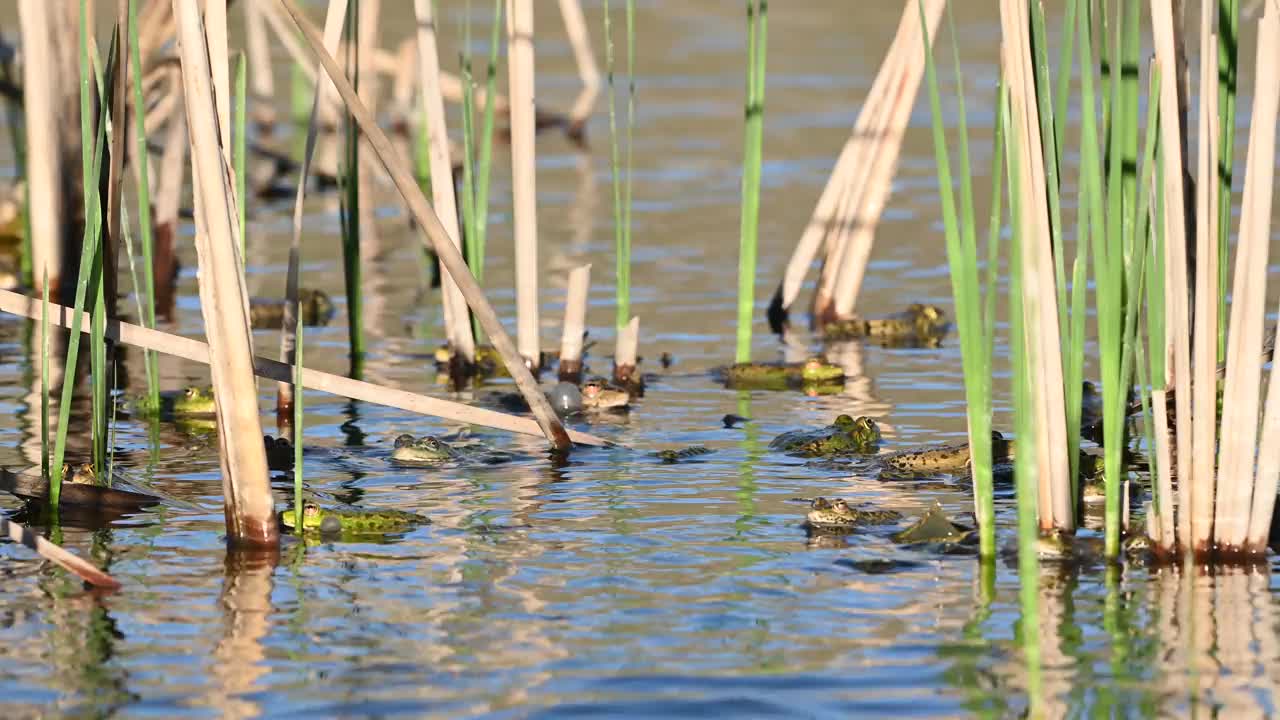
238, 146
962, 260
422, 155
91, 158
485, 160
1228, 61
622, 250
757, 42
44, 376
142, 157
349, 209
299, 416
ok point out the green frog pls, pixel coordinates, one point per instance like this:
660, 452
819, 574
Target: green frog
350, 521
316, 309
949, 458
919, 322
431, 450
815, 371
836, 515
427, 449
846, 436
190, 402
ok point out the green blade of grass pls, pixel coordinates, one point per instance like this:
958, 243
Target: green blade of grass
141, 156
44, 377
757, 33
1228, 61
299, 416
963, 266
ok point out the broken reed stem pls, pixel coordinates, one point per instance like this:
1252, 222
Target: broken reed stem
520, 70
580, 40
223, 300
845, 176
624, 362
855, 232
57, 555
753, 139
575, 323
444, 246
196, 351
1177, 320
1166, 533
457, 324
41, 94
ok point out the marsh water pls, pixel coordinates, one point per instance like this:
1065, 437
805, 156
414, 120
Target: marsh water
612, 584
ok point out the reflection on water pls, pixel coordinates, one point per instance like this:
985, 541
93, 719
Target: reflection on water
611, 583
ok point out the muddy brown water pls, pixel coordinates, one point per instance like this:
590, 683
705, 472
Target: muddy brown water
614, 585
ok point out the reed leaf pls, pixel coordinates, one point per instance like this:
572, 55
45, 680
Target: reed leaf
753, 135
962, 261
146, 292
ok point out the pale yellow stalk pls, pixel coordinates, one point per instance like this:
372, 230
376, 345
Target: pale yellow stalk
457, 323
1177, 320
40, 92
520, 64
575, 316
1255, 229
223, 301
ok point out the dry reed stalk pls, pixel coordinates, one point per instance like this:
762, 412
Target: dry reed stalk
1165, 533
860, 225
223, 301
847, 180
333, 22
57, 555
215, 31
168, 195
1255, 231
1178, 365
261, 79
426, 218
367, 48
1039, 297
41, 92
624, 359
575, 323
196, 351
155, 27
524, 191
457, 323
580, 40
1204, 398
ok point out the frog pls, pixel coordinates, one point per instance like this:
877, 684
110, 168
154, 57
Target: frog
920, 322
845, 436
315, 309
351, 521
82, 474
192, 401
948, 458
599, 394
835, 515
813, 372
431, 450
675, 456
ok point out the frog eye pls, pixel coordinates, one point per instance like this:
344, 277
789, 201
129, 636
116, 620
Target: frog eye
840, 505
404, 440
192, 392
310, 510
821, 503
